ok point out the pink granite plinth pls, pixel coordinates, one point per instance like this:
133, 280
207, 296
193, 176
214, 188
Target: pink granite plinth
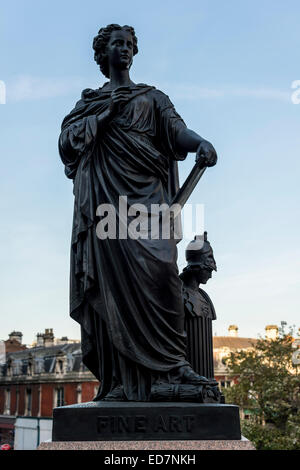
242, 444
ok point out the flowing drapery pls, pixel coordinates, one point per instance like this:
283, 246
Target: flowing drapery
125, 293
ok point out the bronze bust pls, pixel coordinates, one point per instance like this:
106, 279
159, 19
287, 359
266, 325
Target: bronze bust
199, 309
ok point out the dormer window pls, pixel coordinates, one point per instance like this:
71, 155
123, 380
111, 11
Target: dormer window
17, 367
8, 370
59, 368
39, 365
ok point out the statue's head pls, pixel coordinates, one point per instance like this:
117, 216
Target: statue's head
115, 46
200, 259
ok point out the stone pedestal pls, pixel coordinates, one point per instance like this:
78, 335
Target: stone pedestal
146, 421
242, 444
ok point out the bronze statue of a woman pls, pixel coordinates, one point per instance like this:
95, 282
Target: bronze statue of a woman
125, 139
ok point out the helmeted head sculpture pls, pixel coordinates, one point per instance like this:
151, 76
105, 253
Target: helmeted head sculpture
200, 259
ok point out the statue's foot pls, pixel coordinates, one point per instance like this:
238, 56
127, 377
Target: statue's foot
189, 376
117, 394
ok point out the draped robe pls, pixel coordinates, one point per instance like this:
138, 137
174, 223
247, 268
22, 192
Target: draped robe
125, 293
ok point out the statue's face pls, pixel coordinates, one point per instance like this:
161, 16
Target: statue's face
120, 50
209, 260
203, 275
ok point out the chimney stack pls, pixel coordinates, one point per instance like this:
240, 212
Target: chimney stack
16, 336
233, 331
48, 337
39, 340
271, 332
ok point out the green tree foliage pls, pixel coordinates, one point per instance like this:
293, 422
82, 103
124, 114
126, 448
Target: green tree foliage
268, 385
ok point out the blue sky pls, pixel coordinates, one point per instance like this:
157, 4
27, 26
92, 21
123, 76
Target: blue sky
228, 68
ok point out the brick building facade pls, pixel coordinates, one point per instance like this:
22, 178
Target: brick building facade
35, 380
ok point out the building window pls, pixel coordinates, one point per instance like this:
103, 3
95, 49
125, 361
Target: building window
17, 401
59, 392
59, 367
70, 362
39, 399
7, 402
17, 367
225, 383
79, 393
8, 370
39, 365
28, 402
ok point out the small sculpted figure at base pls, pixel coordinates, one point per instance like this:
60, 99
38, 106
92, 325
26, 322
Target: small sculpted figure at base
125, 139
199, 309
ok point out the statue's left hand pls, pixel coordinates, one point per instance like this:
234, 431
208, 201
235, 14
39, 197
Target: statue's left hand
206, 153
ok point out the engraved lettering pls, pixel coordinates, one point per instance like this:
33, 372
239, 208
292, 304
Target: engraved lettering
112, 424
130, 424
123, 424
160, 424
102, 423
175, 424
190, 421
140, 424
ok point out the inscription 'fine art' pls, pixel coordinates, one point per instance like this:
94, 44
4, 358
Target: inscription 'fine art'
159, 424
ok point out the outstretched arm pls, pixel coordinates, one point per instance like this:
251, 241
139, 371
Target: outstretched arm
188, 141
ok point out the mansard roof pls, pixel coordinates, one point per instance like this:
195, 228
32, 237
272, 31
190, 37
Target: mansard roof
46, 357
233, 342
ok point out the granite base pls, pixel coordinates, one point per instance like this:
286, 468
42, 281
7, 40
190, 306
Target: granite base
242, 444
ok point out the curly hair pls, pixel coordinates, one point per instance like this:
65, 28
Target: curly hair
101, 40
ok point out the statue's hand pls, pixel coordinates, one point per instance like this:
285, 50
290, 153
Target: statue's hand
206, 154
119, 97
